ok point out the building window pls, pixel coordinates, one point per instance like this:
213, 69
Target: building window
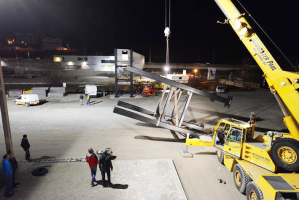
82, 59
125, 56
107, 61
58, 59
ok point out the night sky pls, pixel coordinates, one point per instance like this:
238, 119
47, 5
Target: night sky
102, 25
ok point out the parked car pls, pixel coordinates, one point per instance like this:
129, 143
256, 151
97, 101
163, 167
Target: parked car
27, 99
220, 89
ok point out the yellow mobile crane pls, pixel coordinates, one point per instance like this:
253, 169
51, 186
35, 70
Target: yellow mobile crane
259, 163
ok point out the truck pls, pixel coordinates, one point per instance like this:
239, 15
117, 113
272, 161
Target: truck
265, 166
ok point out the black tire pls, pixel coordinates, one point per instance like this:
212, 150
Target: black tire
220, 156
253, 190
40, 171
241, 179
291, 162
27, 104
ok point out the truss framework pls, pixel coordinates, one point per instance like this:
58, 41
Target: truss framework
171, 100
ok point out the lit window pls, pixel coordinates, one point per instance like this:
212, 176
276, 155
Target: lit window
10, 41
125, 56
58, 59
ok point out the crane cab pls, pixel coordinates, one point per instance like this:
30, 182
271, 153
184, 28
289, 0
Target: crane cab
229, 136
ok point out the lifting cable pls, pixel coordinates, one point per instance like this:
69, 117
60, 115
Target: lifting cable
267, 35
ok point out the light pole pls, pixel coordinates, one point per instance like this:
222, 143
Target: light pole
166, 69
195, 71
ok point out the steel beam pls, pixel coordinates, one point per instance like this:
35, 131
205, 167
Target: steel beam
158, 111
151, 113
151, 120
179, 97
213, 97
169, 97
135, 108
185, 108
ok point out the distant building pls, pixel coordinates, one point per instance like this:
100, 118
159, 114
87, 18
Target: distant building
26, 39
52, 43
95, 63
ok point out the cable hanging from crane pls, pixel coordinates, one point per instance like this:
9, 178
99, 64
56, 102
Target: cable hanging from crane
167, 33
267, 35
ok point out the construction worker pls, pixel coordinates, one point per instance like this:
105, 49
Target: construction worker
92, 160
105, 166
81, 99
14, 165
88, 99
25, 145
8, 172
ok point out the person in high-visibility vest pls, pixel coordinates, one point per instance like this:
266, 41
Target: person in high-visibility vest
88, 99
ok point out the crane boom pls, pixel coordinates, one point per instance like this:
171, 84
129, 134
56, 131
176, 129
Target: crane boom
283, 84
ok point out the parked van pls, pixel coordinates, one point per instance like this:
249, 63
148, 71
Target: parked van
27, 99
91, 90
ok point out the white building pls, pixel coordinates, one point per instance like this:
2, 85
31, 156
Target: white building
94, 63
181, 78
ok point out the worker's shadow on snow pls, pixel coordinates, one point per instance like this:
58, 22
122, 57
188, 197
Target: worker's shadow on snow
42, 158
95, 102
113, 186
218, 115
159, 139
146, 125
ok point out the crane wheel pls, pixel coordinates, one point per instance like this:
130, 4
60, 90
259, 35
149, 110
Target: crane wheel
253, 192
285, 154
241, 179
220, 156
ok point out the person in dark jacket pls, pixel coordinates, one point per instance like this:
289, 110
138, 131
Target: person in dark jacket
105, 166
8, 175
14, 165
81, 99
25, 145
92, 160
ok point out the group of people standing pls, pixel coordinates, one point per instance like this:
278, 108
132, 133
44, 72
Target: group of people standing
87, 98
10, 166
105, 165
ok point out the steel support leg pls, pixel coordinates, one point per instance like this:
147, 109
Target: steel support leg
167, 103
179, 97
158, 110
185, 108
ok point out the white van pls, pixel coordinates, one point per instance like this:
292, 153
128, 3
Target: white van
91, 90
27, 99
